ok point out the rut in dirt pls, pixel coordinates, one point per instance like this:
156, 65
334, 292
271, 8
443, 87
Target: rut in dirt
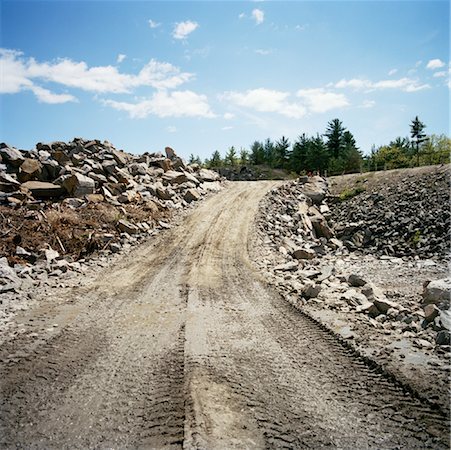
181, 344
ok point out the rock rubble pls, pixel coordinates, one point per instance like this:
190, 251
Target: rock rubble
315, 271
60, 202
411, 217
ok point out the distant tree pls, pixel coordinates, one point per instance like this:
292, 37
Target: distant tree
257, 155
231, 157
298, 154
352, 155
191, 159
270, 153
282, 147
244, 157
216, 160
317, 155
334, 134
418, 136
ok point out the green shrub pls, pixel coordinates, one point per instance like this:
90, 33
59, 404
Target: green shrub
350, 193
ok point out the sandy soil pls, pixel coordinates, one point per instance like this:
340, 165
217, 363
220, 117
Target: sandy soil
183, 344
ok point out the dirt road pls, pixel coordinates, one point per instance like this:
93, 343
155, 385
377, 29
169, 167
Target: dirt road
181, 344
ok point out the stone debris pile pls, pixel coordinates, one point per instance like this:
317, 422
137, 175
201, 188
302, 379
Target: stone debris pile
61, 202
97, 171
303, 257
409, 218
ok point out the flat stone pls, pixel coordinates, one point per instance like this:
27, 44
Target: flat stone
127, 227
355, 280
304, 253
191, 195
44, 190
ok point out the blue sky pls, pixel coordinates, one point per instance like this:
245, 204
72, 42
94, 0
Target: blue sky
203, 76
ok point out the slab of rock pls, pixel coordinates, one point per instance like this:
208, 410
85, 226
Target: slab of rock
79, 185
304, 253
44, 190
127, 227
30, 169
287, 267
356, 281
321, 227
431, 312
207, 175
191, 195
11, 155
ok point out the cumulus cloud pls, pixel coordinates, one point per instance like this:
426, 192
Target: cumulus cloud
19, 72
120, 58
319, 100
228, 116
166, 104
153, 24
258, 15
404, 84
183, 29
435, 64
241, 16
46, 96
440, 74
392, 72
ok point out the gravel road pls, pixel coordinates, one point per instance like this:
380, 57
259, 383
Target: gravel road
182, 344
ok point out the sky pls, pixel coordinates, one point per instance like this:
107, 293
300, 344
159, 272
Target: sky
201, 76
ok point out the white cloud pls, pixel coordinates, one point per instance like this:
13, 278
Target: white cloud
440, 74
166, 104
227, 128
183, 29
368, 104
19, 73
404, 84
171, 129
258, 15
319, 100
266, 100
228, 116
46, 96
435, 64
392, 72
120, 58
242, 16
153, 24
263, 52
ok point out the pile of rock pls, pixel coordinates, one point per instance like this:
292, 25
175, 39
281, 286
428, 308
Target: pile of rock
410, 217
92, 169
307, 262
83, 197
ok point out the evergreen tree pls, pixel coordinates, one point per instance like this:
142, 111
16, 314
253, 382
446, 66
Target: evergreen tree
257, 156
298, 154
418, 136
282, 152
352, 155
317, 155
334, 134
231, 157
216, 160
270, 153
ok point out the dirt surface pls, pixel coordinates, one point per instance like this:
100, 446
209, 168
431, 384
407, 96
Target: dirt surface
182, 344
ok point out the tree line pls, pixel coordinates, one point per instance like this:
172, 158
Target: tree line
336, 152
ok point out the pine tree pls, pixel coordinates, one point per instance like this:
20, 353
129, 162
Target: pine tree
216, 160
298, 154
257, 156
334, 134
231, 157
244, 157
418, 136
282, 152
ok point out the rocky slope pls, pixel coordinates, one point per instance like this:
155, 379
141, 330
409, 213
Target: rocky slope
393, 310
396, 213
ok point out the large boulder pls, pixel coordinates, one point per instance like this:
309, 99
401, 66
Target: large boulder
191, 195
29, 170
79, 185
437, 292
11, 155
207, 175
316, 189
